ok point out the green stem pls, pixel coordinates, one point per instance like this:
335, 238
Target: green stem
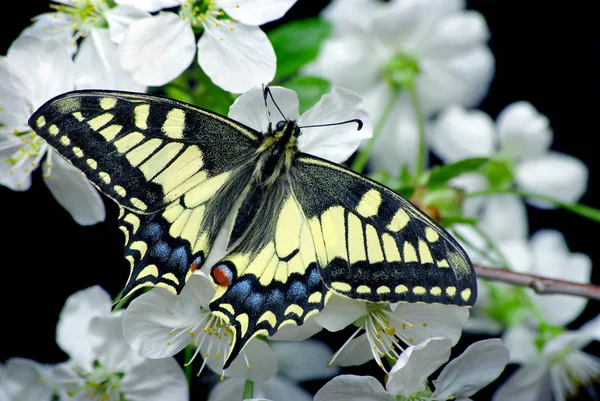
360, 161
188, 353
577, 208
414, 99
248, 389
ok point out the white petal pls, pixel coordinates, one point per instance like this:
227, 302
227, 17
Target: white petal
157, 50
150, 5
342, 59
249, 107
430, 321
353, 388
111, 350
529, 383
518, 254
480, 364
277, 388
410, 373
555, 175
340, 312
120, 19
304, 360
152, 316
97, 65
553, 259
255, 12
72, 329
292, 332
504, 217
357, 352
336, 143
523, 131
155, 380
53, 26
24, 380
262, 361
520, 342
462, 80
198, 290
235, 56
73, 191
453, 35
458, 134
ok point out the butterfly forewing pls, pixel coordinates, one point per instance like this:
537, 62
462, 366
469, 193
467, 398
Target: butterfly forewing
143, 152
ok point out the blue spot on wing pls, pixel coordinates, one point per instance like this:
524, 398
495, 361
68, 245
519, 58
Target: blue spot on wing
314, 278
179, 258
275, 299
255, 301
161, 250
153, 231
240, 290
296, 292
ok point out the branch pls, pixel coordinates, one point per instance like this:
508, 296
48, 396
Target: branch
541, 285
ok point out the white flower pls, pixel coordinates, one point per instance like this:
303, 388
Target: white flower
523, 135
101, 364
376, 46
159, 323
556, 371
336, 143
235, 53
34, 71
298, 362
385, 325
25, 380
480, 364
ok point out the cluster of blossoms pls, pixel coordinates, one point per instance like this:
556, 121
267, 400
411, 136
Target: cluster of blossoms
416, 68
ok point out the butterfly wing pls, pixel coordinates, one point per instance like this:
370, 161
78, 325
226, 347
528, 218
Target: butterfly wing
163, 162
376, 246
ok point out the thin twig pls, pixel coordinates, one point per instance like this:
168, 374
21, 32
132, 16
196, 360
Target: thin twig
541, 285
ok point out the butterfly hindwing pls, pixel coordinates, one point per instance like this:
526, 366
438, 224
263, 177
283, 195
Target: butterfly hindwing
376, 246
142, 151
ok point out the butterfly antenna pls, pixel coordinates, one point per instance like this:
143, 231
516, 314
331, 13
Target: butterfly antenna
267, 92
356, 120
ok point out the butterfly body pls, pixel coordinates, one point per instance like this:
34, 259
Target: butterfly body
298, 227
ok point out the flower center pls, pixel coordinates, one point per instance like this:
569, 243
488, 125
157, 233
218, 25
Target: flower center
200, 12
99, 384
29, 154
85, 14
401, 70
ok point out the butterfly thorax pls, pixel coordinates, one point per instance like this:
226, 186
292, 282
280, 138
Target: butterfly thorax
276, 153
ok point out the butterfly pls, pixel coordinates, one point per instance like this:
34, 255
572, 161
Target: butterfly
300, 227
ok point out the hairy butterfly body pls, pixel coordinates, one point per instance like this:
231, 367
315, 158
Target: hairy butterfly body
299, 227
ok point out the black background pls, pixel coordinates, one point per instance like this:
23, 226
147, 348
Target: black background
546, 53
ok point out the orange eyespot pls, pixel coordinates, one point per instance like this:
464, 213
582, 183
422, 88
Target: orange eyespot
221, 274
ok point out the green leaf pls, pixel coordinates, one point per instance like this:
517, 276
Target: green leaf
440, 175
309, 90
499, 172
447, 221
297, 43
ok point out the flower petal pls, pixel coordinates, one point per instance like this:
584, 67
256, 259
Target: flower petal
160, 379
97, 65
277, 388
25, 380
555, 175
249, 107
304, 360
340, 312
150, 5
353, 388
72, 329
480, 364
336, 143
235, 56
15, 176
355, 353
292, 332
255, 12
528, 383
412, 370
504, 217
158, 49
426, 321
523, 131
73, 191
458, 134
110, 349
520, 342
156, 323
120, 19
